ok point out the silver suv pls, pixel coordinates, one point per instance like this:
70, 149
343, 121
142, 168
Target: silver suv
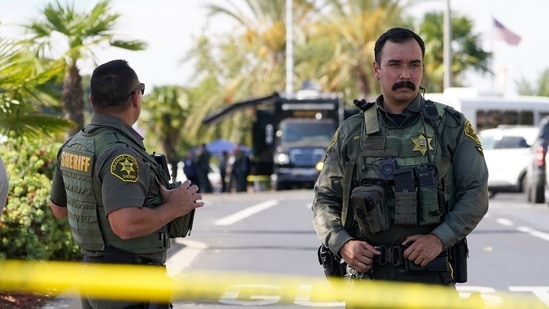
506, 150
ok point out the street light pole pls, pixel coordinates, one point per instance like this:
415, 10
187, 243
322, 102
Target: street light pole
289, 49
447, 43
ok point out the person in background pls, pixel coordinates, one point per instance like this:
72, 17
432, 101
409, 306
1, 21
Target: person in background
409, 174
222, 165
239, 169
4, 186
203, 169
189, 168
114, 194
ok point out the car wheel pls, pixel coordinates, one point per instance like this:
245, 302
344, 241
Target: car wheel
538, 194
523, 184
279, 186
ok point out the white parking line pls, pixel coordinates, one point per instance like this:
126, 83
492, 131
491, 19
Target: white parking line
185, 257
535, 233
505, 222
246, 213
524, 229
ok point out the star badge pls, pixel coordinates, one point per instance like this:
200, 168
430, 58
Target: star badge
421, 143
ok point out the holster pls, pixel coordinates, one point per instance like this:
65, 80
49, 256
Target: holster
118, 256
458, 258
333, 266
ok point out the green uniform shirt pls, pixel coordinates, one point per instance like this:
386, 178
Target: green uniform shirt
461, 148
127, 180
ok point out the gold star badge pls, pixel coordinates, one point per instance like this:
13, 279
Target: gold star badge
421, 143
125, 168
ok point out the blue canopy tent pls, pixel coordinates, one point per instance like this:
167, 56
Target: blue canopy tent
218, 146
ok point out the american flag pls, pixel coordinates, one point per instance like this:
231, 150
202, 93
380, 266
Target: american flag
503, 33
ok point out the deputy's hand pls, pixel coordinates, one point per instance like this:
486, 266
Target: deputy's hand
359, 255
422, 248
185, 197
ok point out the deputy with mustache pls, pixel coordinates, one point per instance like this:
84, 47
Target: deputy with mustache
404, 181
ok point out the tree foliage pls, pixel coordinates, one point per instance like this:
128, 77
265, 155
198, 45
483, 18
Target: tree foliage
83, 32
540, 87
466, 51
27, 93
28, 229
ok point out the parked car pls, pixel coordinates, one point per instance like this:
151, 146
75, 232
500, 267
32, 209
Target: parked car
506, 150
537, 164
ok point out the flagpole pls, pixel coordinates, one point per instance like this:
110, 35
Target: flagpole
447, 46
289, 49
492, 47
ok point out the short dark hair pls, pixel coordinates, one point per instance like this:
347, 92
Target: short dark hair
397, 35
111, 84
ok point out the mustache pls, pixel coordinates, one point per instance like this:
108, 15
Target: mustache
404, 84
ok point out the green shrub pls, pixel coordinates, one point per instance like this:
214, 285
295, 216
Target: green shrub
28, 229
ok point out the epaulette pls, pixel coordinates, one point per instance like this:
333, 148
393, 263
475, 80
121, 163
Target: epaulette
454, 113
363, 104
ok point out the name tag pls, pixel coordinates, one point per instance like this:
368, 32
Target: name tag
76, 162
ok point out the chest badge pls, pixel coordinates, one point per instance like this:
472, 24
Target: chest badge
421, 143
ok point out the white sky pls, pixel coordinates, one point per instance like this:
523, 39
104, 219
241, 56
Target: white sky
168, 26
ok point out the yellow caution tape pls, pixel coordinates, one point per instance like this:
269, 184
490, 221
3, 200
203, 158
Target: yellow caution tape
141, 283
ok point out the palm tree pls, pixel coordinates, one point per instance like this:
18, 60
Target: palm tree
333, 41
83, 32
260, 41
349, 28
165, 112
466, 50
25, 92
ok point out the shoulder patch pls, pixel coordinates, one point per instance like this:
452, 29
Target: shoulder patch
333, 141
125, 168
470, 132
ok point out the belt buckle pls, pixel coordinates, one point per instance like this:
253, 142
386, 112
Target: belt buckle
396, 256
383, 258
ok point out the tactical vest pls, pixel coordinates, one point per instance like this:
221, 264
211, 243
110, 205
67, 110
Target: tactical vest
89, 225
404, 166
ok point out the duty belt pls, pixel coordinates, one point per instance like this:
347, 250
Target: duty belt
389, 255
394, 256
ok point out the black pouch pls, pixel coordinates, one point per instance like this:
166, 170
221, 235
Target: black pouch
118, 256
333, 266
406, 208
368, 202
182, 226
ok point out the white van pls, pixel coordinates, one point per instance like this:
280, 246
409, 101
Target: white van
490, 111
